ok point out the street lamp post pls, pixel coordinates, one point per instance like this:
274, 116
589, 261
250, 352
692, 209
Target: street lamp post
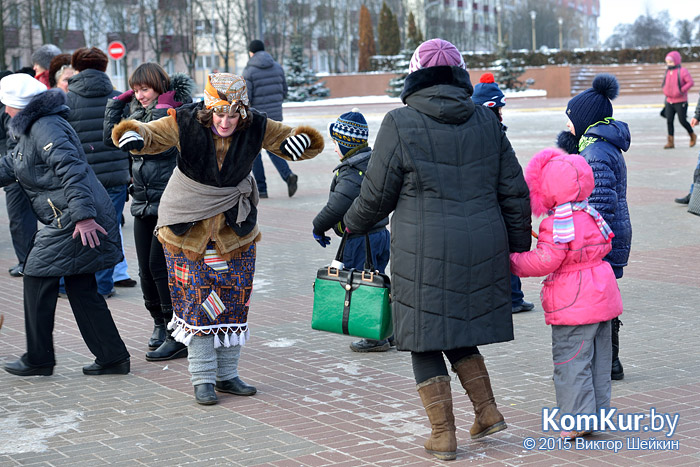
560, 21
498, 22
533, 15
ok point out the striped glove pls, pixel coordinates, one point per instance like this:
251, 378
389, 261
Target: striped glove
294, 146
131, 141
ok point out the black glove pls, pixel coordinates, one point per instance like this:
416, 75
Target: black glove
131, 141
294, 146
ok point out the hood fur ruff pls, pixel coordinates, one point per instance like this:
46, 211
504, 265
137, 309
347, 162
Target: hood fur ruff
555, 177
52, 101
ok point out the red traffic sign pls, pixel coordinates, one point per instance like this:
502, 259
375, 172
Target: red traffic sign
116, 50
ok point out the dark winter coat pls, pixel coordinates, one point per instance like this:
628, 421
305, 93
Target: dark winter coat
267, 86
345, 187
609, 198
88, 93
4, 129
150, 173
52, 169
448, 172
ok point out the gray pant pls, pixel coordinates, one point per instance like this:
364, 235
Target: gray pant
209, 364
582, 362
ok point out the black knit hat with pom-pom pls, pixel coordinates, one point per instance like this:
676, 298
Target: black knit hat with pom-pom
593, 105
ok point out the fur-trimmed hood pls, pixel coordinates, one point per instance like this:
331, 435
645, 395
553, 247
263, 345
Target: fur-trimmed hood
555, 177
50, 102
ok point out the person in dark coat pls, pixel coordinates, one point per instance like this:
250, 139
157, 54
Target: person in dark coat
267, 89
89, 90
696, 173
349, 134
19, 209
601, 139
460, 205
50, 165
152, 93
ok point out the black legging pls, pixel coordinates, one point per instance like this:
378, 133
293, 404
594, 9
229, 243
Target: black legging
428, 365
152, 268
681, 109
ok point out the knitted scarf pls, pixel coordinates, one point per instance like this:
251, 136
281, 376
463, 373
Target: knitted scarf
564, 221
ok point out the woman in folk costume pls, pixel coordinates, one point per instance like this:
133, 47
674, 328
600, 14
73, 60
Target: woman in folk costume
207, 220
580, 296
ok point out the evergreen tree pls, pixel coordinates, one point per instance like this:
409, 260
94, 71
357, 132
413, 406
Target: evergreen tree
302, 83
366, 43
414, 37
388, 32
509, 69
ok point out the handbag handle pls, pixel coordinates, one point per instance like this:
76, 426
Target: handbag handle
369, 265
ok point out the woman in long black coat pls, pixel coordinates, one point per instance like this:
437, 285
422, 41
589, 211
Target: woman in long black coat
449, 174
50, 166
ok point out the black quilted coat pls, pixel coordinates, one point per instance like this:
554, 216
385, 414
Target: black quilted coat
449, 174
49, 162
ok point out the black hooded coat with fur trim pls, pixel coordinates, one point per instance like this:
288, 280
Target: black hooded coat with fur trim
150, 173
50, 165
449, 174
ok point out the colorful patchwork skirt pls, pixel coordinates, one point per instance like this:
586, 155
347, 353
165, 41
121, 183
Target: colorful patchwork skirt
211, 296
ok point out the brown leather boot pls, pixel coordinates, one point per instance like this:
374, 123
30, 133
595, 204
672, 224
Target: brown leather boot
669, 143
475, 380
693, 139
436, 396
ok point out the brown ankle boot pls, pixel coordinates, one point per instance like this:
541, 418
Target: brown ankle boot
693, 139
669, 142
475, 380
436, 396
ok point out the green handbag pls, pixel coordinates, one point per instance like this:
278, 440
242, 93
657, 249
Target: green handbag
351, 302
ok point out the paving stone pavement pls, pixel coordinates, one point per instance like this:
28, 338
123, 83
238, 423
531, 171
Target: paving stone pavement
318, 403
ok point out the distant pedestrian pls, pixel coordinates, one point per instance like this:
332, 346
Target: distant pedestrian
207, 220
447, 171
350, 134
696, 174
600, 139
677, 81
580, 296
267, 89
41, 62
51, 167
488, 94
60, 71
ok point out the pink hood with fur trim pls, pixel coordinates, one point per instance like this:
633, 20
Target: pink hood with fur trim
580, 288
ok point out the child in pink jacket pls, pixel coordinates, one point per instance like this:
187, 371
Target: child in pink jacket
580, 294
677, 81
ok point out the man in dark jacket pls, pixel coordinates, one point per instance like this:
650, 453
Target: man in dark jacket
19, 209
50, 165
267, 89
88, 92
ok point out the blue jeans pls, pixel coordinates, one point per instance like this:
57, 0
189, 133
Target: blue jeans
105, 280
259, 171
354, 252
516, 295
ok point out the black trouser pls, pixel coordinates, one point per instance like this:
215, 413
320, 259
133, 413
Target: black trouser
153, 270
91, 314
681, 109
428, 365
22, 220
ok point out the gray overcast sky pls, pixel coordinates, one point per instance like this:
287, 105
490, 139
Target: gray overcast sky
614, 12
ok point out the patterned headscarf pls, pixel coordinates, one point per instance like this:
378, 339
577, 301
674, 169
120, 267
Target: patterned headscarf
229, 85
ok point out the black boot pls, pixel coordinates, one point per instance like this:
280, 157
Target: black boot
158, 335
617, 372
683, 200
169, 350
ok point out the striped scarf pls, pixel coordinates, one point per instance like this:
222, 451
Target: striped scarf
564, 221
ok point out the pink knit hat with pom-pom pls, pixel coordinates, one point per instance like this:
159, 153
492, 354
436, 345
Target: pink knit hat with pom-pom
436, 52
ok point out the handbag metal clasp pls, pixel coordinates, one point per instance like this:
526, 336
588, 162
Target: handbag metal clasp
337, 271
371, 276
